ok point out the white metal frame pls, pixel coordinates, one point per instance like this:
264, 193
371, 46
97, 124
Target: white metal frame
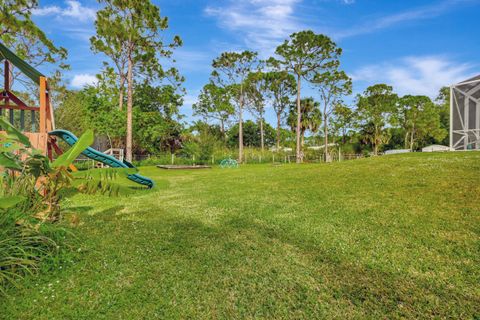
469, 137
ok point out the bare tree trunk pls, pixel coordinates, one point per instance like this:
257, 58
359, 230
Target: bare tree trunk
129, 110
240, 130
222, 129
406, 140
279, 123
120, 94
299, 122
411, 138
325, 139
262, 136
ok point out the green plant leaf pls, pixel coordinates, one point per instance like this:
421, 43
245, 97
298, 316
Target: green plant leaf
10, 202
14, 133
71, 154
9, 163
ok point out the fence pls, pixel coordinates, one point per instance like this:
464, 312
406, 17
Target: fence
250, 157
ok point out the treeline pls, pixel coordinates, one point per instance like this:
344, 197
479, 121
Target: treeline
135, 104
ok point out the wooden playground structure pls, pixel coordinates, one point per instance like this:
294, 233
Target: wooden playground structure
41, 118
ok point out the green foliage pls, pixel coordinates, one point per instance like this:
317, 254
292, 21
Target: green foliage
10, 201
23, 246
20, 33
311, 118
30, 174
443, 104
343, 121
131, 30
130, 34
71, 154
280, 87
375, 108
214, 102
251, 135
306, 55
231, 70
71, 111
420, 119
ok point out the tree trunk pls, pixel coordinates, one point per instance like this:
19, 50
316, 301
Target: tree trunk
222, 129
412, 139
128, 155
120, 94
279, 123
325, 139
240, 130
299, 122
262, 136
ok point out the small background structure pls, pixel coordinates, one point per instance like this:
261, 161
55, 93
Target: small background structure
465, 115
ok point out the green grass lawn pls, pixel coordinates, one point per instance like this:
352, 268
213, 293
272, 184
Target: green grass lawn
389, 237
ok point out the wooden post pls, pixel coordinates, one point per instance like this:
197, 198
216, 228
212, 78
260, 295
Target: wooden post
49, 114
42, 136
7, 87
22, 120
32, 119
43, 105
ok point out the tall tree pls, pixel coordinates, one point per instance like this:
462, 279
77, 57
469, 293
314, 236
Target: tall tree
215, 103
256, 87
280, 87
304, 55
24, 37
311, 117
230, 71
443, 103
332, 86
419, 118
343, 119
374, 110
129, 32
29, 42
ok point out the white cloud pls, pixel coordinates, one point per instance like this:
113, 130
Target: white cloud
263, 24
82, 80
415, 75
419, 13
46, 11
73, 9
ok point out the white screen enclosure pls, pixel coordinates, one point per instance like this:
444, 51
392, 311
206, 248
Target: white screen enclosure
465, 115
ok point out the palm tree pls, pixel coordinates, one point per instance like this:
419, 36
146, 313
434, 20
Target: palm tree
311, 117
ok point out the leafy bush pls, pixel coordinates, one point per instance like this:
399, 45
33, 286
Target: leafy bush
23, 244
31, 187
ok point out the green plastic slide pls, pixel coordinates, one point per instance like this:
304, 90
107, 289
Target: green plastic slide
96, 155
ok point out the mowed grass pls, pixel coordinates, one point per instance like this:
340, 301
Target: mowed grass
388, 237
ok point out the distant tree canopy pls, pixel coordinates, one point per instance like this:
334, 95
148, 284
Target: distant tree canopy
251, 135
24, 37
156, 115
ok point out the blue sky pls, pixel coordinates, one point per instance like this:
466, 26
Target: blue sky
416, 46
